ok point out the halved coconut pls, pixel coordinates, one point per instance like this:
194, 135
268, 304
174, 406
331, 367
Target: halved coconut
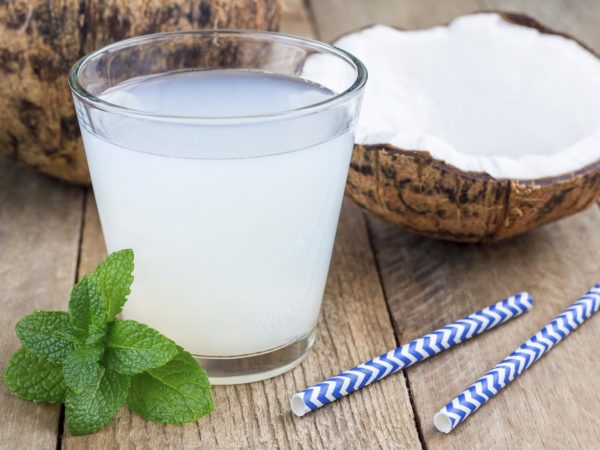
478, 130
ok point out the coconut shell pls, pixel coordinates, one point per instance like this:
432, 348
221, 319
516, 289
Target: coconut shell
41, 39
413, 189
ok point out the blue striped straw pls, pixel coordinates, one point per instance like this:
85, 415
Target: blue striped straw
465, 404
406, 355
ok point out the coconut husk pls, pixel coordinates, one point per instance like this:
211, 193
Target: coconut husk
412, 189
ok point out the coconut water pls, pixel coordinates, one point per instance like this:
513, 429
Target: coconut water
232, 220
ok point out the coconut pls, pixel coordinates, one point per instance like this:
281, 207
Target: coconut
41, 39
478, 130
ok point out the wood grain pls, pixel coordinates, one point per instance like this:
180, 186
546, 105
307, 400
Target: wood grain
354, 326
428, 283
93, 249
39, 238
578, 18
337, 17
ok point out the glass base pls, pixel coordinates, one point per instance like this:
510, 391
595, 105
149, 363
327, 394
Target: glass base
256, 366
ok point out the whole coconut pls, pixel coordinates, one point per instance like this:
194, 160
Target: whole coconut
41, 39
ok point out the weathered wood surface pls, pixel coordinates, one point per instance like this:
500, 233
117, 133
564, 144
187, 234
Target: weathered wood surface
578, 18
50, 234
428, 283
336, 17
40, 222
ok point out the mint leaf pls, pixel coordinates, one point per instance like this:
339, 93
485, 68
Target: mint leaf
177, 392
114, 275
88, 308
132, 347
81, 367
43, 333
33, 378
95, 335
96, 402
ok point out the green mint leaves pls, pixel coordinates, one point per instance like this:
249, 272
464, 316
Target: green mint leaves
101, 394
132, 348
88, 308
94, 363
114, 276
43, 334
33, 378
173, 393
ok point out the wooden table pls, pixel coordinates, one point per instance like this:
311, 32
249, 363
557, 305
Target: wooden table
386, 286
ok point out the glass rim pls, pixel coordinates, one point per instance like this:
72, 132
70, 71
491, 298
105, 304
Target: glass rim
347, 94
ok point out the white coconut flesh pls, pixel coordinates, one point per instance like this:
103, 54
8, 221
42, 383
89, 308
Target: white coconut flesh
483, 95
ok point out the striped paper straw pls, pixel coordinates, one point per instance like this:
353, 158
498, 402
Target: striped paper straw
406, 355
465, 404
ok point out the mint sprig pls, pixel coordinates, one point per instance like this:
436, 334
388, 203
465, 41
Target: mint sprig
95, 363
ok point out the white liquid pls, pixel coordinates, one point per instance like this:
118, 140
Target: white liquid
232, 226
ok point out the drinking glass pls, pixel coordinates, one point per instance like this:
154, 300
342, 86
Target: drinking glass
227, 189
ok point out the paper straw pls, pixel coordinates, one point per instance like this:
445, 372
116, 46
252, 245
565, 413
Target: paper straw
465, 404
406, 355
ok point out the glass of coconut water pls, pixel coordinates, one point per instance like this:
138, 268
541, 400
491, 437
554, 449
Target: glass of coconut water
220, 158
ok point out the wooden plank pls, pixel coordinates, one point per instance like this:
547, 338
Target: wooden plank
354, 326
39, 237
428, 283
93, 249
578, 18
337, 17
296, 19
